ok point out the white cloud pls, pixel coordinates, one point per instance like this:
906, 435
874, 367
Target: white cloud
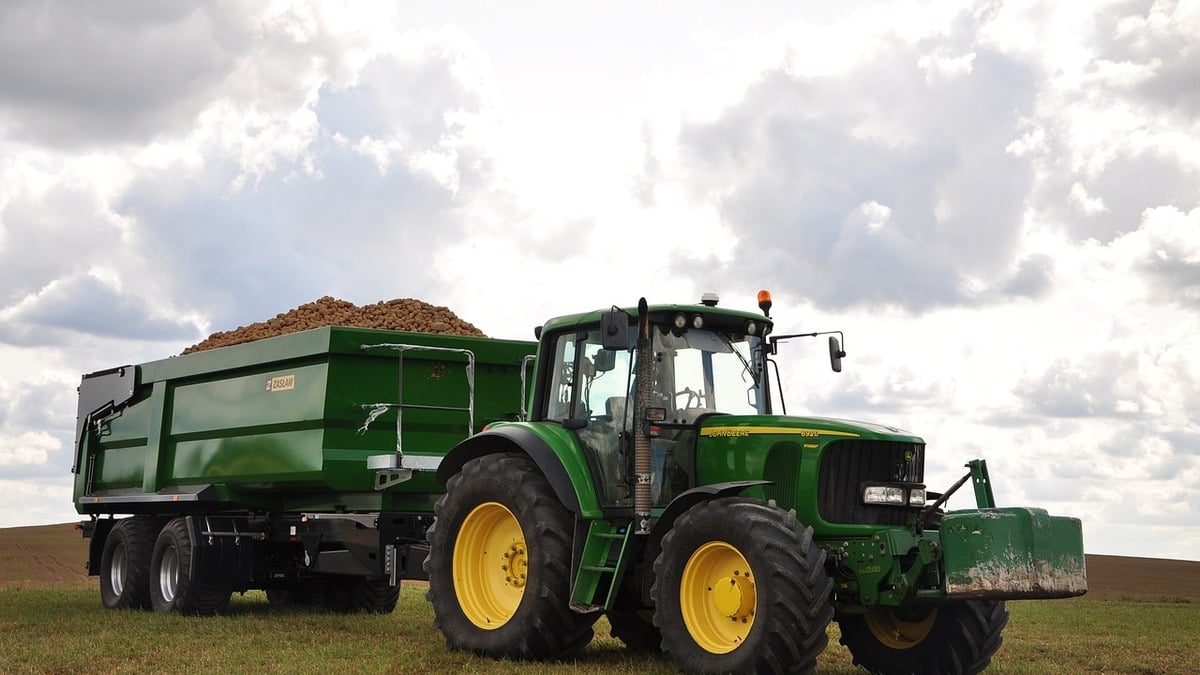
31, 448
42, 503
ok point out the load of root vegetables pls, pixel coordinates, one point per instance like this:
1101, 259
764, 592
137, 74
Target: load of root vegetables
401, 314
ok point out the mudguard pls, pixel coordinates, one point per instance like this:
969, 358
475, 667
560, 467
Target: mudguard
577, 496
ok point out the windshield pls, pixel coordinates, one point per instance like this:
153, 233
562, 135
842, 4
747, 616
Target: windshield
700, 372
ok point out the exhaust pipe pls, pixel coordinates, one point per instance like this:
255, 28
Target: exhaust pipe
642, 440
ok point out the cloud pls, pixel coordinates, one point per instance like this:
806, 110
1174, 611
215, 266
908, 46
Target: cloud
1096, 385
1170, 254
323, 152
1113, 132
887, 184
44, 502
124, 72
51, 227
88, 305
1033, 277
1159, 39
31, 448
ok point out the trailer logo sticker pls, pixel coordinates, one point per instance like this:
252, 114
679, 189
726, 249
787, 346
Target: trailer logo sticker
281, 383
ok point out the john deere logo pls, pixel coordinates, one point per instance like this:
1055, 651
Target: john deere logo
281, 383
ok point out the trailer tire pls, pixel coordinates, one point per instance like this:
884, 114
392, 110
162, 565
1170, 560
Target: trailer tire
957, 637
635, 628
500, 562
347, 595
125, 563
375, 596
172, 588
740, 587
297, 594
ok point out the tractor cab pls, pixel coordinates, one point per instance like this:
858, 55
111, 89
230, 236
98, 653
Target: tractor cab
705, 362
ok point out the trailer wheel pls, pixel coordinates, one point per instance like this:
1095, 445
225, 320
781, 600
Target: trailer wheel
958, 637
359, 594
125, 563
740, 587
172, 589
376, 596
296, 594
499, 563
635, 627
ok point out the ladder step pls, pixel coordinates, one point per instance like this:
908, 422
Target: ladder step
598, 568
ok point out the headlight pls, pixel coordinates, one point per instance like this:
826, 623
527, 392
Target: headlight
883, 494
909, 494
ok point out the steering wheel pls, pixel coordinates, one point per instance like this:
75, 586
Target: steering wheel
691, 396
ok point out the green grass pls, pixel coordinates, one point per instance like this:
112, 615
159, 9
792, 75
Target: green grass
68, 631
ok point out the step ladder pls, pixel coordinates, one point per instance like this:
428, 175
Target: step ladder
596, 564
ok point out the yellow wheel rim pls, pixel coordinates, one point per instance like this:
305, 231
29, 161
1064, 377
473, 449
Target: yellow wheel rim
491, 565
717, 597
896, 632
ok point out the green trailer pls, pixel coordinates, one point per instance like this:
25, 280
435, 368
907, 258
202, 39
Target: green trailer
637, 463
283, 464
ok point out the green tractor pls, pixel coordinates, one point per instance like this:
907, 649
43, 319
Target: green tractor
654, 482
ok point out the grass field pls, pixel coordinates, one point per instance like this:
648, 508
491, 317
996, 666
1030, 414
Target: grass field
1141, 616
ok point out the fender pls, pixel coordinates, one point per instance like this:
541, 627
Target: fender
522, 439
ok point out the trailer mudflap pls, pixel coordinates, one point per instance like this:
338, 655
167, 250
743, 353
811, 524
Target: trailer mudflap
1013, 553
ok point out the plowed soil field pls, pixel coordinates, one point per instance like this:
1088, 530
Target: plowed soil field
54, 556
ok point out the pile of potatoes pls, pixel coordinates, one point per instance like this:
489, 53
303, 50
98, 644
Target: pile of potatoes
401, 314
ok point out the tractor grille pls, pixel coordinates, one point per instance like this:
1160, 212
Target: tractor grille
846, 465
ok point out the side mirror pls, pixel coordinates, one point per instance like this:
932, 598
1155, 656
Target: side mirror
835, 354
614, 330
604, 360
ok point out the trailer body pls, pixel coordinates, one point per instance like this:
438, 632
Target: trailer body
262, 448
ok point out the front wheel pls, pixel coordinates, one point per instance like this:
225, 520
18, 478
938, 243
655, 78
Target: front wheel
957, 637
740, 587
172, 587
500, 561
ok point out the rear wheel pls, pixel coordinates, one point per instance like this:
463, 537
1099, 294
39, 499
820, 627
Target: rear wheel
125, 563
499, 563
172, 588
958, 637
740, 587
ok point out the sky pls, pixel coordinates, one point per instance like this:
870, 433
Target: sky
997, 202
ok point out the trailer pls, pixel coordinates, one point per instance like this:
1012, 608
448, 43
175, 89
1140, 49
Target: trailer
246, 467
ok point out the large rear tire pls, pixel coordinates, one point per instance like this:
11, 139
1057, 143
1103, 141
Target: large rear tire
500, 562
958, 637
125, 563
172, 588
740, 587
